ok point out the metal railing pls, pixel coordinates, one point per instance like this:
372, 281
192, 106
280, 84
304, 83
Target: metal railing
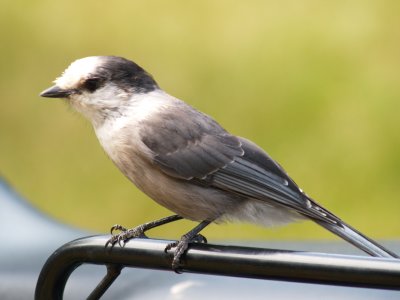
345, 270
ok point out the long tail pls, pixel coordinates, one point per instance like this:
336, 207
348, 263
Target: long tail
356, 238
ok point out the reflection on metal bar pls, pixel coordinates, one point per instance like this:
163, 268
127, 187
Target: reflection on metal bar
346, 270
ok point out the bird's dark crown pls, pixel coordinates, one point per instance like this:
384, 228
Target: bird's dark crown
122, 72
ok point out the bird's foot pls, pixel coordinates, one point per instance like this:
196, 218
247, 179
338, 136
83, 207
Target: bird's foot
180, 248
125, 234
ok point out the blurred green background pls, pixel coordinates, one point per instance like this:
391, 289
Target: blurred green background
315, 83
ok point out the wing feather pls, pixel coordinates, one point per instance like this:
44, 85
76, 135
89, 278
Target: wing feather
188, 144
256, 175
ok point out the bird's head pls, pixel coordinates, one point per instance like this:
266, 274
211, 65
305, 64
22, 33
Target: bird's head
100, 86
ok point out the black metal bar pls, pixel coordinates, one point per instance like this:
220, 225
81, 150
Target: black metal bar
113, 272
356, 271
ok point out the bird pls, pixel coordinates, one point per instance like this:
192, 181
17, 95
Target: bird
185, 160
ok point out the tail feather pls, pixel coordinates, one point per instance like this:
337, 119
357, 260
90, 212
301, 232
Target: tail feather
356, 238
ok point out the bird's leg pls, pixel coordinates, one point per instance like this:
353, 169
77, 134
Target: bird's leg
138, 231
182, 245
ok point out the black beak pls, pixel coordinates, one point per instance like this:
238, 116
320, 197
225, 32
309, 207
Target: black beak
55, 92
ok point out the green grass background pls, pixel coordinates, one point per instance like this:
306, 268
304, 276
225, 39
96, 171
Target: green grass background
315, 83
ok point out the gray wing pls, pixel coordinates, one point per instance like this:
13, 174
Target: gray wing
190, 145
258, 176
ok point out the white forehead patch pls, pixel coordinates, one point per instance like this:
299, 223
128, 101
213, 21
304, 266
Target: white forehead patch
78, 70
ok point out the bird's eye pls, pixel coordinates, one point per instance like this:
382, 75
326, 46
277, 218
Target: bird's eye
92, 84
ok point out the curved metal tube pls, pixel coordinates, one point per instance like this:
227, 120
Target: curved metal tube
356, 271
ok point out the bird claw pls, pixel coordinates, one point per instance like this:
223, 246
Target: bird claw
181, 247
117, 227
124, 235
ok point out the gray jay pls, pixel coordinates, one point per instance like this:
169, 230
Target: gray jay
183, 159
